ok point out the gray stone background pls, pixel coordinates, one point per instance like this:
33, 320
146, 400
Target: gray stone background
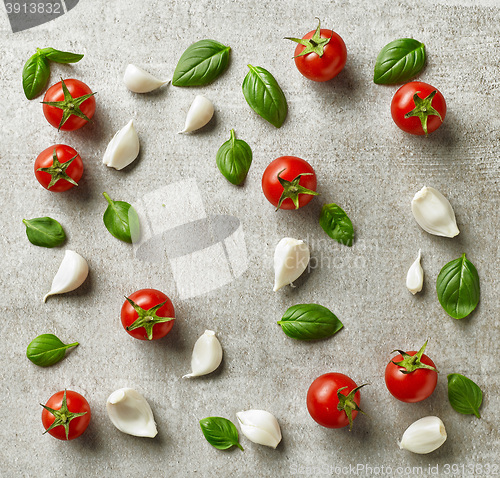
363, 162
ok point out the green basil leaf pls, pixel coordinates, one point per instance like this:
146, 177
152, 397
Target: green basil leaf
336, 224
399, 61
36, 74
201, 63
220, 432
309, 322
121, 220
464, 395
47, 349
234, 159
59, 56
458, 287
44, 231
265, 96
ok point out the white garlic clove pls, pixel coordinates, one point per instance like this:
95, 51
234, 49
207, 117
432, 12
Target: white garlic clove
71, 274
415, 276
140, 81
424, 436
199, 114
123, 148
207, 355
130, 413
260, 427
433, 213
290, 261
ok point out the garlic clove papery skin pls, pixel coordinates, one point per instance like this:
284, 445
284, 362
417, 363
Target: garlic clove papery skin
207, 355
291, 258
424, 436
260, 427
123, 148
199, 114
140, 81
433, 213
71, 274
130, 413
415, 276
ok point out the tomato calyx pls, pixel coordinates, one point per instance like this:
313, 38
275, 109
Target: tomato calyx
347, 403
147, 318
69, 106
410, 363
292, 189
316, 44
58, 170
423, 109
62, 416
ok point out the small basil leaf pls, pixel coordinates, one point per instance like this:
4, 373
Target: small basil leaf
234, 159
36, 73
458, 287
399, 61
309, 322
59, 56
121, 220
264, 95
201, 63
464, 395
44, 231
220, 432
47, 349
336, 224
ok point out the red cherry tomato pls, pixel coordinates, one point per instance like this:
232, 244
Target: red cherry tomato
289, 168
144, 322
322, 400
430, 102
72, 105
325, 60
66, 404
57, 177
414, 386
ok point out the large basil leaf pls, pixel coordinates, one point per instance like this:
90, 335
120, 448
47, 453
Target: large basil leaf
399, 61
201, 63
36, 73
220, 432
47, 349
336, 224
44, 231
121, 220
458, 287
234, 159
309, 321
265, 96
59, 56
464, 395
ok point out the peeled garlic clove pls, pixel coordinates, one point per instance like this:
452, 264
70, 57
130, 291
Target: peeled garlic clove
260, 427
71, 274
123, 148
290, 261
199, 114
424, 436
415, 276
130, 413
140, 81
207, 355
434, 213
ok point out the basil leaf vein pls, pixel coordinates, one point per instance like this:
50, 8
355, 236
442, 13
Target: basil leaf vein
336, 224
264, 95
464, 395
458, 288
220, 432
399, 61
121, 220
233, 159
309, 322
47, 349
44, 231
